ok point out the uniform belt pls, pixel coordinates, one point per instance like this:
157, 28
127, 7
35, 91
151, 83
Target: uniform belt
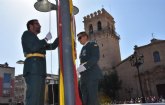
35, 55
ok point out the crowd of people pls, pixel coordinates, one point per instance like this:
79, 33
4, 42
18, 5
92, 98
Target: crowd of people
150, 99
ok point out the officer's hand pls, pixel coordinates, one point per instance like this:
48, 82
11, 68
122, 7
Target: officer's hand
48, 36
81, 68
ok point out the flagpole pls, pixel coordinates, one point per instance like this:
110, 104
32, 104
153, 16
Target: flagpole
67, 53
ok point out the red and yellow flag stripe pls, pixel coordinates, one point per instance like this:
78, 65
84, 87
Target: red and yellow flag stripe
74, 55
61, 74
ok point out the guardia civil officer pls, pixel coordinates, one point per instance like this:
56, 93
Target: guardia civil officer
89, 70
34, 70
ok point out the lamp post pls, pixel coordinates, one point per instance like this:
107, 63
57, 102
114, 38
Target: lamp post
24, 94
137, 60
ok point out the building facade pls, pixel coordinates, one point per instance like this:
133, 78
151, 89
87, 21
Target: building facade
152, 72
20, 89
6, 83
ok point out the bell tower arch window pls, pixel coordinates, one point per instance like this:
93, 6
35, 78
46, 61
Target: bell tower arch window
99, 27
90, 29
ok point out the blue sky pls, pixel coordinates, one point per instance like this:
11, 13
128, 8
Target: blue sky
136, 20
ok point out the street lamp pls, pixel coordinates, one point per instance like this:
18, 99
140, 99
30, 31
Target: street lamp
46, 6
20, 62
136, 60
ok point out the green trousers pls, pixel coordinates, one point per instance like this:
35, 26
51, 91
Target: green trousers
35, 91
89, 91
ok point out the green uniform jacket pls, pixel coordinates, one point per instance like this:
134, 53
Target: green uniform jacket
90, 56
32, 44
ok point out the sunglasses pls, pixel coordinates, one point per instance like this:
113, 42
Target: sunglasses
79, 38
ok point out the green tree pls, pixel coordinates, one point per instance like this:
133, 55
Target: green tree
110, 85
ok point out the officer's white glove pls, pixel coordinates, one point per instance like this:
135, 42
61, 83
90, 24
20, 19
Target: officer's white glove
77, 74
48, 36
81, 68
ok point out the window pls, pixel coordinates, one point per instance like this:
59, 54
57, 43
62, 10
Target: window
156, 56
90, 29
99, 27
6, 84
108, 25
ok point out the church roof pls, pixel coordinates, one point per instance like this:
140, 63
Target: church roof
153, 42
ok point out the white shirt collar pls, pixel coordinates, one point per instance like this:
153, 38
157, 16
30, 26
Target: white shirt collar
85, 43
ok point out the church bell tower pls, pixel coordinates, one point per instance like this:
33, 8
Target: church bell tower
100, 26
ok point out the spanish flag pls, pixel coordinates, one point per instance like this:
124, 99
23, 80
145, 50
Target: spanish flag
68, 82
